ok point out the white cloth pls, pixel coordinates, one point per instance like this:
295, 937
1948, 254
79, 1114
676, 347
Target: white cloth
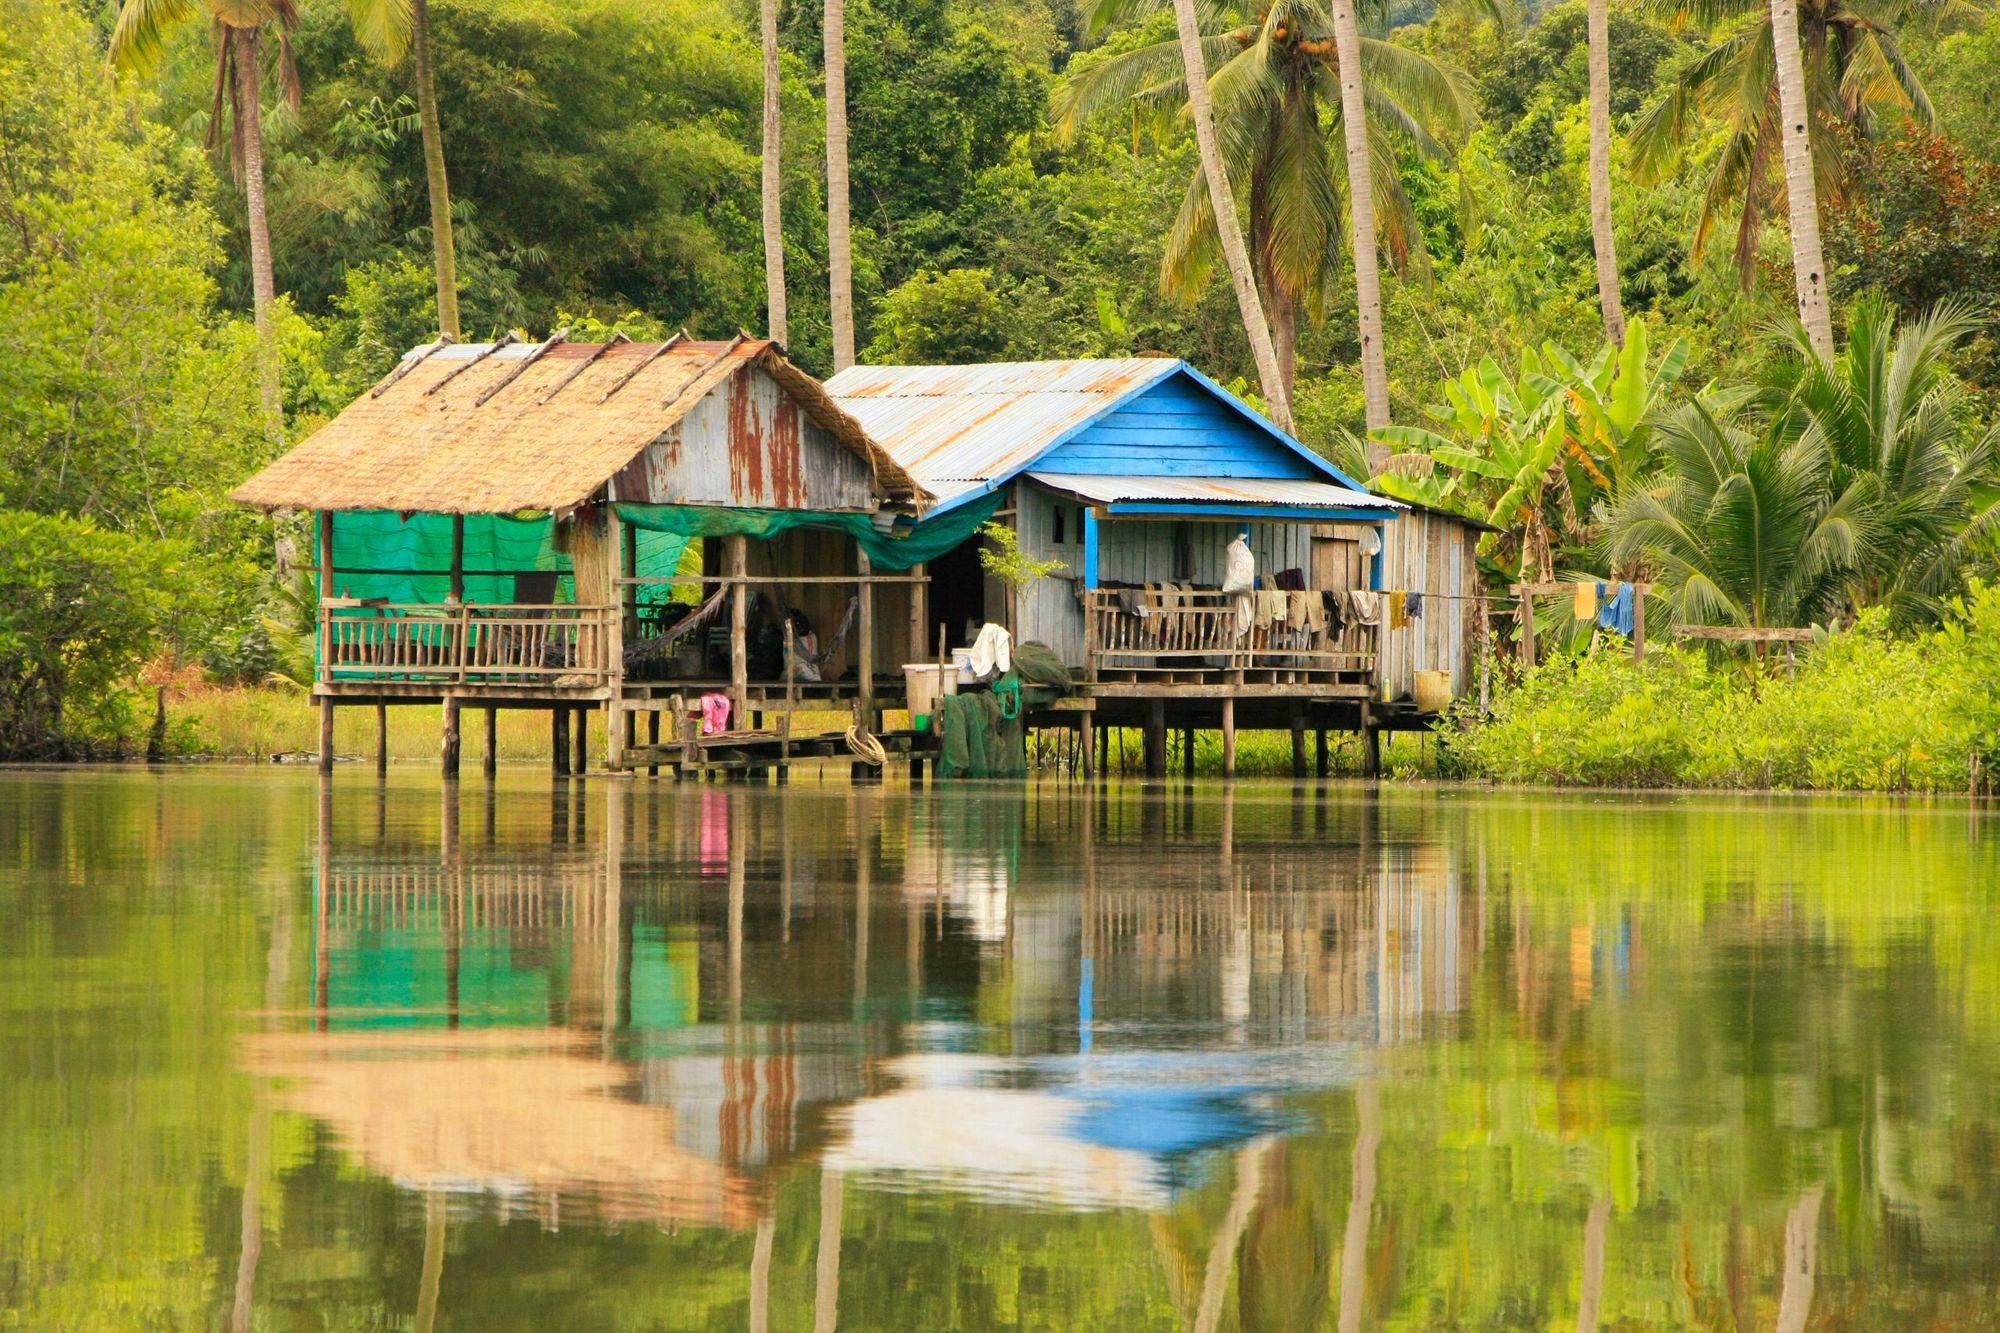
992, 652
1239, 567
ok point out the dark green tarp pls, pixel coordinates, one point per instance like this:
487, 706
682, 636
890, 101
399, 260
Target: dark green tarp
912, 545
980, 733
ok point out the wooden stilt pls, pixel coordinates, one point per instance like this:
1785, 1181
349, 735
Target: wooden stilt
1371, 746
579, 739
1229, 738
489, 760
559, 739
1156, 738
449, 750
381, 740
1086, 743
326, 735
1322, 756
739, 629
1298, 746
1187, 753
653, 739
1639, 622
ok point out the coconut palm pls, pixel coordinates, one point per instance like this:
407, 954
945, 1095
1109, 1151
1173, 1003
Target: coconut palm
1743, 527
137, 44
389, 28
1275, 85
1597, 32
1215, 184
839, 239
1894, 421
1361, 213
1762, 91
774, 225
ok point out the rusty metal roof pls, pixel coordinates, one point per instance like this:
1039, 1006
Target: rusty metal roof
959, 429
1251, 491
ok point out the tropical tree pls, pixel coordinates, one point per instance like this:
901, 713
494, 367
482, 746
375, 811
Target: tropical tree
1276, 82
389, 28
1597, 26
1772, 103
1361, 214
1742, 527
1272, 375
137, 44
839, 237
772, 192
1895, 422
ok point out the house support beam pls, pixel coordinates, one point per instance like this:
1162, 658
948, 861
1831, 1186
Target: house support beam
1229, 738
448, 751
489, 760
326, 735
559, 740
381, 740
739, 626
1156, 739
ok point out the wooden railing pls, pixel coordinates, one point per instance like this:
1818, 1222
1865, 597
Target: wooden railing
1145, 630
517, 644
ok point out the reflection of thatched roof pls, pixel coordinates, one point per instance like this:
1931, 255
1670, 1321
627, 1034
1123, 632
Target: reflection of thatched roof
441, 434
509, 1111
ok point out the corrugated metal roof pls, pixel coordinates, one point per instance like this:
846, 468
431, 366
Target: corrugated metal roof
1214, 490
957, 428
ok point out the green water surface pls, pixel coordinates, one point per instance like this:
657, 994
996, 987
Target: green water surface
280, 1055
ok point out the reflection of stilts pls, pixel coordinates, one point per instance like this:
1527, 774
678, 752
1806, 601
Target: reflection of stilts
1360, 1205
1593, 1265
826, 1285
1801, 1261
433, 1274
1215, 1279
277, 971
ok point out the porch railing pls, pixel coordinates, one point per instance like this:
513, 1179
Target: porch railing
516, 644
1164, 630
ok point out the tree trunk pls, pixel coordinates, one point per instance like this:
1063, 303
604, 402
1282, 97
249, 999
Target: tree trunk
249, 112
1609, 301
839, 244
1802, 195
774, 226
1223, 201
1361, 223
444, 250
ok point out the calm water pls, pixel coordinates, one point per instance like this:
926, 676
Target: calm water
623, 1056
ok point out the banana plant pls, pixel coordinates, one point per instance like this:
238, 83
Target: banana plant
1614, 398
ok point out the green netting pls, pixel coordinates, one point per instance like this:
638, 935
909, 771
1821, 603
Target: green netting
907, 546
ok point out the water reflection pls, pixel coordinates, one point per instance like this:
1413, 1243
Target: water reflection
616, 1054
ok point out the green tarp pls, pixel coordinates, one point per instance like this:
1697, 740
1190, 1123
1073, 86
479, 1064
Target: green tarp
980, 732
925, 540
382, 554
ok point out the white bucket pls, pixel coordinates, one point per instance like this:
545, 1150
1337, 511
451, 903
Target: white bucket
928, 682
962, 659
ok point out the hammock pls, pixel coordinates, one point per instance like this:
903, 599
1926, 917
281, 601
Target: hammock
645, 650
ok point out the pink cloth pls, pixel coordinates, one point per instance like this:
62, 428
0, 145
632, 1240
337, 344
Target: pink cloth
714, 714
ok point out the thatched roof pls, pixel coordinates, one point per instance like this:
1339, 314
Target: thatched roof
499, 428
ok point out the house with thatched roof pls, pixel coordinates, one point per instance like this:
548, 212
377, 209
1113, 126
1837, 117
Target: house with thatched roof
569, 526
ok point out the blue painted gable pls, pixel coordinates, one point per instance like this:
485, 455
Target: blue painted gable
1182, 426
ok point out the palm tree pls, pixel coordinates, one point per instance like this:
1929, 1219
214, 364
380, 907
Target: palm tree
1597, 27
1271, 374
387, 28
774, 225
839, 241
1277, 77
1773, 103
1742, 529
1361, 214
1893, 420
137, 44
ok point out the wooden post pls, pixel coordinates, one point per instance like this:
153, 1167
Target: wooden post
458, 561
1485, 657
449, 749
1323, 758
618, 723
579, 738
326, 590
381, 740
559, 739
326, 734
1086, 740
1187, 753
739, 625
1156, 738
790, 667
653, 739
864, 657
1229, 737
1298, 745
920, 611
1371, 745
1639, 622
1525, 609
489, 762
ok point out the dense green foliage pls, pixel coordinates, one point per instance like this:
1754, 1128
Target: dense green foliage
1860, 711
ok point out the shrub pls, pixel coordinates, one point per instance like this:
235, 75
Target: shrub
80, 607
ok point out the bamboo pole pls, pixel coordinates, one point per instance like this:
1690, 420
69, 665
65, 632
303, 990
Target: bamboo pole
739, 626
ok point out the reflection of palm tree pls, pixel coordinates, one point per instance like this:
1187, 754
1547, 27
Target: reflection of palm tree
760, 1273
1360, 1206
1594, 1228
826, 1284
1215, 1279
1801, 1262
433, 1273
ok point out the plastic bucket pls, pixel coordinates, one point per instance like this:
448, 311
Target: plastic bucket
928, 682
1433, 691
961, 659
